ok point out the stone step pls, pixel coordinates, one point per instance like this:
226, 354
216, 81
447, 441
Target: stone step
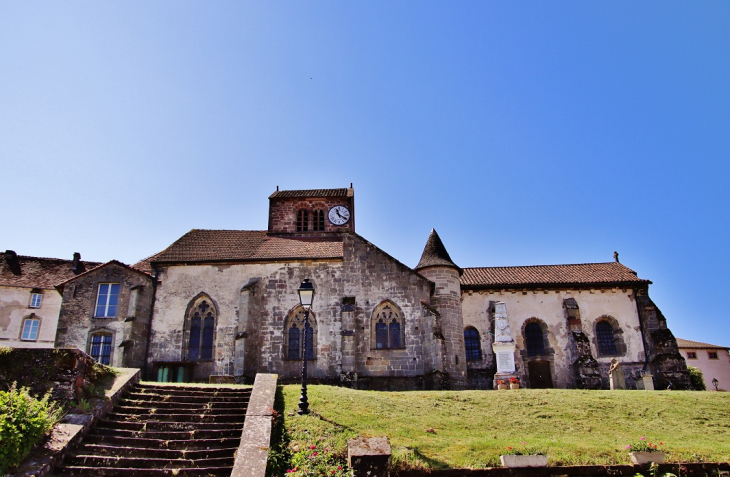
144, 442
229, 418
184, 398
189, 391
137, 472
155, 453
146, 463
167, 426
134, 410
171, 435
242, 404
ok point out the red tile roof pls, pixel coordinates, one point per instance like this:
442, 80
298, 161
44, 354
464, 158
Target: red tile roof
245, 245
295, 194
39, 272
611, 273
697, 345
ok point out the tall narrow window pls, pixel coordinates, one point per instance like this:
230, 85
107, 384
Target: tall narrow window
472, 344
387, 327
30, 329
294, 335
604, 337
101, 347
201, 329
35, 300
302, 221
534, 338
106, 300
318, 220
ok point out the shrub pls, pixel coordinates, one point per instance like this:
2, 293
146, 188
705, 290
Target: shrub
696, 378
23, 421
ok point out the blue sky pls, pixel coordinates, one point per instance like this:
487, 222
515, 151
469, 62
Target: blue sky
524, 132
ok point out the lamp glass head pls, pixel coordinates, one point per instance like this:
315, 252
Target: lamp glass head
306, 293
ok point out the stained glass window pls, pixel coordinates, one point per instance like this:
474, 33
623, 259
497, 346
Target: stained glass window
201, 330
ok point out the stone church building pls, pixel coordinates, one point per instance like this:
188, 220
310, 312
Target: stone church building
224, 302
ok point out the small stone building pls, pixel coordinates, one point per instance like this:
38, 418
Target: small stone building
712, 360
224, 302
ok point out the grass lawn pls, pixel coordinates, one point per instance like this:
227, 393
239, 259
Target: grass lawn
470, 429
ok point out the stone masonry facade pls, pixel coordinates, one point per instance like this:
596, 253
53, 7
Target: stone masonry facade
224, 304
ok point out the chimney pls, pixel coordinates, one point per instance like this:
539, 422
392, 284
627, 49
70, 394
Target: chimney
13, 263
76, 266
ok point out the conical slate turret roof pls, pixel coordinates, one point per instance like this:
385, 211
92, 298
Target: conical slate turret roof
435, 254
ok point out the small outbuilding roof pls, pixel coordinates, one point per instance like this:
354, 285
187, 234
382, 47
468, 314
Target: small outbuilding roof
682, 343
200, 245
609, 273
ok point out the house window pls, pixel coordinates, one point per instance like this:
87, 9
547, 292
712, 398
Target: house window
318, 221
712, 354
106, 300
302, 220
294, 334
101, 347
201, 329
30, 329
472, 344
534, 339
605, 339
35, 300
388, 332
691, 355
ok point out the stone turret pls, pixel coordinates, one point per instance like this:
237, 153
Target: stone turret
437, 266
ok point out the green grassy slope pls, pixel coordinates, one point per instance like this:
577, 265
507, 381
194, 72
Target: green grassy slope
472, 428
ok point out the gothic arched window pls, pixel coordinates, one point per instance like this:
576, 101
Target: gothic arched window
534, 339
302, 220
605, 339
388, 331
318, 221
200, 328
472, 344
294, 334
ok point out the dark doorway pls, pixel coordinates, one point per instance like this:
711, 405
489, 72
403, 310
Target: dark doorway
540, 377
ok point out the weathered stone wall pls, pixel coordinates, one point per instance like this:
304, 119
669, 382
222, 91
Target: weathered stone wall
77, 322
283, 213
447, 299
547, 307
15, 307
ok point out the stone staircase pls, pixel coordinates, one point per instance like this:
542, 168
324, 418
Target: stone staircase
164, 430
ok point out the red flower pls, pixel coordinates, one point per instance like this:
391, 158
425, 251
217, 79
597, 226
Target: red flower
509, 448
313, 447
661, 443
314, 453
339, 467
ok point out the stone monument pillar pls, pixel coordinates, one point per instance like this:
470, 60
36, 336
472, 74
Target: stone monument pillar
503, 346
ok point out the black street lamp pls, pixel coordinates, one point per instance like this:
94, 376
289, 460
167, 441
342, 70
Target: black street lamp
306, 297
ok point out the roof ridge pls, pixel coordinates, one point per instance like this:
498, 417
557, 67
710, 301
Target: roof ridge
546, 265
51, 258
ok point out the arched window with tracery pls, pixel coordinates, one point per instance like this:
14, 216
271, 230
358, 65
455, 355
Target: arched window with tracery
388, 330
294, 334
534, 339
318, 221
302, 220
200, 329
472, 344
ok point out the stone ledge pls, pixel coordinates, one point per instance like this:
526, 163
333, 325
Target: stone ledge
253, 452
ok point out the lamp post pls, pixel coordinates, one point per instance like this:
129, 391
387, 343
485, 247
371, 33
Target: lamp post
306, 297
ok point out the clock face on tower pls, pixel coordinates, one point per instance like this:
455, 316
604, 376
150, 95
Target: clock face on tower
339, 215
